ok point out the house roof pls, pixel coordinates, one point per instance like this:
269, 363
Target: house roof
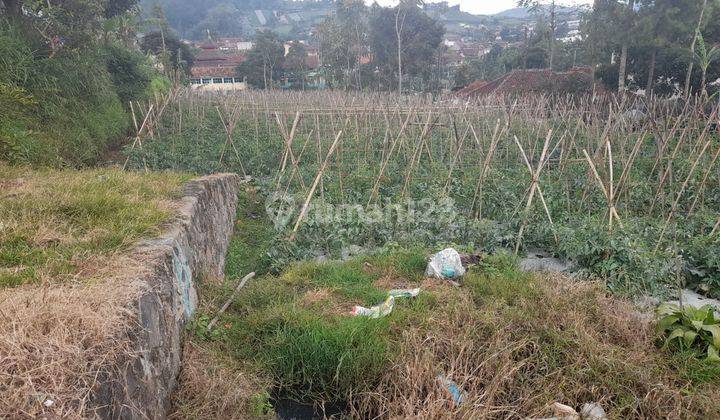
201, 72
216, 63
576, 80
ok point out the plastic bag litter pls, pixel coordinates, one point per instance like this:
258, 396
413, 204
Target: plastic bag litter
446, 264
377, 311
396, 293
385, 308
452, 388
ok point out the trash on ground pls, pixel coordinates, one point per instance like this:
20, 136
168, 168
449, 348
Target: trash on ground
452, 389
396, 293
563, 410
377, 311
385, 308
593, 411
589, 411
446, 264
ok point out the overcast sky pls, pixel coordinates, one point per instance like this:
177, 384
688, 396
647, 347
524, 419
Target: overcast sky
484, 7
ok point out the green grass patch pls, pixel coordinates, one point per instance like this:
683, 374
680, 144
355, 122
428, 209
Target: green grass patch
57, 224
253, 236
532, 339
296, 325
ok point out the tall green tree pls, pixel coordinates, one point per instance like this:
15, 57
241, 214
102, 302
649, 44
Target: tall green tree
404, 41
698, 30
548, 11
175, 56
343, 40
265, 60
664, 24
335, 51
628, 19
704, 57
352, 15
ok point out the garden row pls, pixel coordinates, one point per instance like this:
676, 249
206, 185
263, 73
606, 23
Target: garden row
626, 189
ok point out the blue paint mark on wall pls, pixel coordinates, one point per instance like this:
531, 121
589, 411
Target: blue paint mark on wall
183, 277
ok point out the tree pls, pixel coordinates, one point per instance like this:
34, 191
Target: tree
221, 20
705, 57
13, 8
538, 8
175, 56
343, 41
404, 41
68, 24
664, 24
334, 50
629, 20
296, 63
264, 61
352, 16
118, 7
399, 27
692, 46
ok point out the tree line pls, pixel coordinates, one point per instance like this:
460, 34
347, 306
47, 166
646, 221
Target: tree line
359, 47
661, 46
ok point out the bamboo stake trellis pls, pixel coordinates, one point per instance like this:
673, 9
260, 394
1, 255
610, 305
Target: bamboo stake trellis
401, 144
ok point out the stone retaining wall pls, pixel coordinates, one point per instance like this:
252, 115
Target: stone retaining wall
194, 245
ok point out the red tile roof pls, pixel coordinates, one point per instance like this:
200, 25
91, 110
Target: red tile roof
576, 80
214, 63
200, 72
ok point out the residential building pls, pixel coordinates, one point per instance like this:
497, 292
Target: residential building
215, 69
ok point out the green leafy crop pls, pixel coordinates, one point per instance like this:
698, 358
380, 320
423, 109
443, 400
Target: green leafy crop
690, 328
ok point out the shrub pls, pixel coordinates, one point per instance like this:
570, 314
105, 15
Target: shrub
65, 109
130, 74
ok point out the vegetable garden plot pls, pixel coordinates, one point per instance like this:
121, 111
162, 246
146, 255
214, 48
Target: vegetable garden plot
631, 200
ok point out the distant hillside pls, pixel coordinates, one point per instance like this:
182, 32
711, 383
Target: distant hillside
524, 13
296, 19
516, 13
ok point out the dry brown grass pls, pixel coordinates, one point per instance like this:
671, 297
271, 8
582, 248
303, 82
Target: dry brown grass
66, 281
214, 387
55, 342
515, 353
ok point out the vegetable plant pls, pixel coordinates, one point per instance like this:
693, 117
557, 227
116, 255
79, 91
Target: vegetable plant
688, 328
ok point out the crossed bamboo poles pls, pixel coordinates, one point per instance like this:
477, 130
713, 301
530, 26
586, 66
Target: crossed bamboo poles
468, 144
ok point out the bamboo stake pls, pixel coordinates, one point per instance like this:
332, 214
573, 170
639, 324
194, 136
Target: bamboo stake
240, 285
533, 189
539, 190
314, 186
679, 195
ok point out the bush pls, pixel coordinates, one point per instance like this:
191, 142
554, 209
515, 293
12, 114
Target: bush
65, 109
130, 75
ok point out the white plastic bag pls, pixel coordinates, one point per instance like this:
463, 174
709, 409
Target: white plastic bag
446, 264
377, 311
